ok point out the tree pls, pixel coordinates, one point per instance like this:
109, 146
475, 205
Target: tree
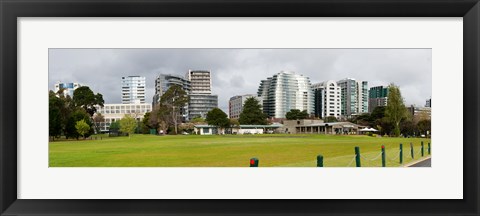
377, 113
234, 123
252, 113
85, 98
152, 118
66, 110
395, 110
424, 126
145, 124
77, 115
330, 119
128, 124
364, 119
55, 117
174, 101
408, 127
198, 120
384, 126
82, 128
217, 118
296, 114
60, 109
163, 117
97, 120
114, 127
187, 127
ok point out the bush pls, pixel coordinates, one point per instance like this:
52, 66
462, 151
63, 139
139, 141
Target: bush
370, 134
171, 131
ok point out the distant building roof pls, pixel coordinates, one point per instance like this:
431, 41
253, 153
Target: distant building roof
244, 126
205, 126
330, 124
261, 126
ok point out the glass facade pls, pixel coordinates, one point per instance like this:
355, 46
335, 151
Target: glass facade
263, 94
235, 104
133, 90
68, 88
201, 100
377, 96
199, 105
354, 97
164, 82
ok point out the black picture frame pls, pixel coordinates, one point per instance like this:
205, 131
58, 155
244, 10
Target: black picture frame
10, 10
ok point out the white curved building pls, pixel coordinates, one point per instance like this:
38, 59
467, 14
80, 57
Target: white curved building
285, 91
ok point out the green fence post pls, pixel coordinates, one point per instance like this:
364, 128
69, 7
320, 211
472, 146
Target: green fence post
383, 155
357, 156
401, 153
428, 148
421, 149
253, 162
319, 160
411, 150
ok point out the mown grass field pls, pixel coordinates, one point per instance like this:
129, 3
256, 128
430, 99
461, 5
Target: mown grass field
229, 151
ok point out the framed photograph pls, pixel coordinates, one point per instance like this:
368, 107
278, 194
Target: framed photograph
246, 108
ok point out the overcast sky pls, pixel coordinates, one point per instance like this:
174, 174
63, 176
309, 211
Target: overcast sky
239, 71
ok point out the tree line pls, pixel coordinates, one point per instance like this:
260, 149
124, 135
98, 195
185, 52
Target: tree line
167, 115
392, 120
72, 117
77, 116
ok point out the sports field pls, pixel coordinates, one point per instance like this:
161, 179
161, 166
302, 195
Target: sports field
230, 151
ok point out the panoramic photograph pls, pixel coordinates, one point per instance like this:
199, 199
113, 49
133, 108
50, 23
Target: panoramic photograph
236, 107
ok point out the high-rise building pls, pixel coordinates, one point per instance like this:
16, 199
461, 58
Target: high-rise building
235, 104
200, 104
377, 96
327, 99
68, 88
200, 80
354, 97
163, 82
428, 103
262, 93
133, 90
286, 91
362, 92
201, 100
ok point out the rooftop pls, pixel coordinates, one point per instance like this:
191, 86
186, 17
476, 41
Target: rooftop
244, 126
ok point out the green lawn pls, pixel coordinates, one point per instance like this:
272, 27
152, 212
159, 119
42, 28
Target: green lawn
228, 151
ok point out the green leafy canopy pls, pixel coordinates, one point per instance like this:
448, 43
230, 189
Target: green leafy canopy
252, 113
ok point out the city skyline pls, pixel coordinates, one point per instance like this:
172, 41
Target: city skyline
239, 71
